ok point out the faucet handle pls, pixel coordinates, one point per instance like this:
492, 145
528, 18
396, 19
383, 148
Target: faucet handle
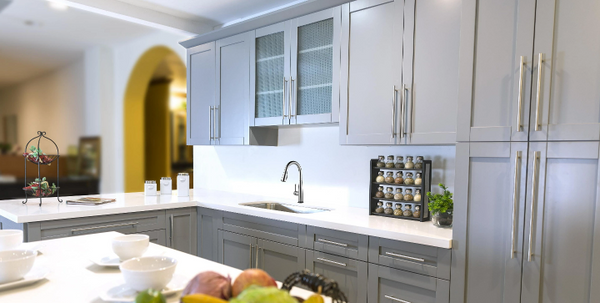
296, 192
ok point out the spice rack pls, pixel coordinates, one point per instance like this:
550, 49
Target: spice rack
425, 187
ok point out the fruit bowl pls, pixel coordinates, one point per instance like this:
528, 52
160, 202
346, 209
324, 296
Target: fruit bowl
41, 188
36, 156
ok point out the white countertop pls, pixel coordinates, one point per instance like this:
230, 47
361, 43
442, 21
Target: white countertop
356, 220
73, 278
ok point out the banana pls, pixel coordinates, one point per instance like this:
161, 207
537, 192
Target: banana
315, 298
201, 298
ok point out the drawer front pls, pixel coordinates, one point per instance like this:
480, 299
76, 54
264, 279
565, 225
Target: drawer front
389, 285
278, 231
123, 223
427, 260
338, 242
350, 274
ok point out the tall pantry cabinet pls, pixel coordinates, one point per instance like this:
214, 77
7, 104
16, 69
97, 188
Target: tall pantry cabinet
527, 225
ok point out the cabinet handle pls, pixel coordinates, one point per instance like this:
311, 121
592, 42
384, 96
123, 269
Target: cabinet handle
283, 102
394, 112
396, 299
292, 99
403, 116
405, 257
515, 200
520, 98
215, 123
171, 230
104, 226
534, 182
210, 122
539, 91
331, 242
256, 264
250, 256
332, 262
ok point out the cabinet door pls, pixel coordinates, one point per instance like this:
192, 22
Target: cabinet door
182, 230
430, 71
369, 107
351, 275
496, 59
315, 52
156, 236
233, 89
392, 285
562, 235
489, 211
209, 222
236, 250
566, 100
201, 94
269, 75
279, 260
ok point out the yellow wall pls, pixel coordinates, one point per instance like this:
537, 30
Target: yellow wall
158, 135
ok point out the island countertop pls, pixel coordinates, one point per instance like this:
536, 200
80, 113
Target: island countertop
351, 219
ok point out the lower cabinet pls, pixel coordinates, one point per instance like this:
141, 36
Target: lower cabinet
182, 230
394, 285
235, 250
351, 275
279, 260
157, 236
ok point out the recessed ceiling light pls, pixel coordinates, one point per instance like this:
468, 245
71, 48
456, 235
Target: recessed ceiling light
57, 5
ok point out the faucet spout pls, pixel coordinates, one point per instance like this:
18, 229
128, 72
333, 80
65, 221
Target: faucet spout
299, 191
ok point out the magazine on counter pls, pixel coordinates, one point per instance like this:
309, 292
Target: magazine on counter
90, 201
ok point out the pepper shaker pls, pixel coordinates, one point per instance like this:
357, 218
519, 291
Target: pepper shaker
390, 193
381, 161
390, 178
380, 178
388, 209
417, 212
399, 178
399, 196
419, 162
409, 163
418, 179
183, 185
390, 162
408, 196
399, 162
417, 197
409, 179
407, 212
379, 193
166, 188
398, 210
150, 188
379, 208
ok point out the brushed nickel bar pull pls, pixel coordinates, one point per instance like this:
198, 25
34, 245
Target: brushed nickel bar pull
402, 121
533, 200
250, 256
210, 123
396, 299
215, 123
283, 101
104, 226
404, 257
291, 99
332, 262
520, 99
171, 230
515, 200
539, 92
256, 264
394, 113
331, 242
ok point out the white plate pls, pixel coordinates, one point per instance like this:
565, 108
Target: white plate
122, 293
30, 278
112, 260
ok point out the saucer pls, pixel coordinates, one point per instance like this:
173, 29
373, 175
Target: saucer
30, 278
122, 293
112, 260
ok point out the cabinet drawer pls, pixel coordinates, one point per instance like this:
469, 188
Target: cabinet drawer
427, 260
338, 242
351, 275
278, 231
124, 223
387, 285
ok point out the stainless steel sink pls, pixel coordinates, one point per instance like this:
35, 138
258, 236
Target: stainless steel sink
288, 208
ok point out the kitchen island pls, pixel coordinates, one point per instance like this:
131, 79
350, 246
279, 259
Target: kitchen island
74, 278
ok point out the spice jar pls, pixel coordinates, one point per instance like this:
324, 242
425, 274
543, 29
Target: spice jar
407, 212
381, 161
399, 196
409, 163
379, 178
379, 208
166, 188
418, 179
398, 210
390, 178
417, 212
390, 162
379, 193
408, 196
150, 188
399, 162
388, 208
389, 193
399, 178
419, 162
183, 185
409, 179
417, 197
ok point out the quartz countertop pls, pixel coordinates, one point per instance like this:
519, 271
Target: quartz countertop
350, 219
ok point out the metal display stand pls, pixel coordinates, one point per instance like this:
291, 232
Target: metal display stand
41, 160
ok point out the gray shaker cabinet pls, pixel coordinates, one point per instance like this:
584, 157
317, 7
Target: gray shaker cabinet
209, 223
388, 285
156, 236
279, 260
351, 275
201, 94
182, 230
236, 250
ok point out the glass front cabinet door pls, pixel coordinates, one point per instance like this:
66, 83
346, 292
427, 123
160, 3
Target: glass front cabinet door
292, 77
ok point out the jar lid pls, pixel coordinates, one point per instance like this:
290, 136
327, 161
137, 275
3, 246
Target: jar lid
389, 189
390, 157
418, 191
398, 190
150, 182
380, 188
400, 158
399, 173
380, 173
390, 173
418, 174
183, 174
408, 190
165, 178
419, 157
389, 204
381, 157
409, 175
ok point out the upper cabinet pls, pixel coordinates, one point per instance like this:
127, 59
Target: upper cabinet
293, 71
401, 65
527, 71
201, 94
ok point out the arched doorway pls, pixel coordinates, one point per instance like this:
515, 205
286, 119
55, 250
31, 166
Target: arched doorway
154, 111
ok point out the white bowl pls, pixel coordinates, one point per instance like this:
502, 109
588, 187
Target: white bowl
10, 239
148, 272
14, 264
130, 246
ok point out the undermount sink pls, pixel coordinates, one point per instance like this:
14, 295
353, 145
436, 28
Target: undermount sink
288, 208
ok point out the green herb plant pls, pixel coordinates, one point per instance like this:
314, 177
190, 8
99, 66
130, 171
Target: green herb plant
441, 203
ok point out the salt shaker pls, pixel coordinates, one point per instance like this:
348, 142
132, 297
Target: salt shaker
399, 162
417, 197
388, 209
399, 196
381, 161
380, 178
390, 162
419, 162
150, 188
390, 178
418, 179
183, 185
390, 193
166, 188
398, 210
379, 208
417, 212
409, 163
399, 178
379, 193
408, 196
407, 212
409, 179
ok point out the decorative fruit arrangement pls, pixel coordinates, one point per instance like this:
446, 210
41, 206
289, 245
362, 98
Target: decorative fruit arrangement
36, 155
41, 188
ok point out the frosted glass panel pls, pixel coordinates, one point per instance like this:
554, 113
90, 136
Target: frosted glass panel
315, 68
269, 75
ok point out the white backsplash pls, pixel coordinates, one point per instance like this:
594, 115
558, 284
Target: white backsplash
333, 174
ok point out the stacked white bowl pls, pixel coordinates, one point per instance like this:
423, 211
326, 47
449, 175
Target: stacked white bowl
14, 263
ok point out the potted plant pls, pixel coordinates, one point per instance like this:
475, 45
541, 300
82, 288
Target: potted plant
441, 207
